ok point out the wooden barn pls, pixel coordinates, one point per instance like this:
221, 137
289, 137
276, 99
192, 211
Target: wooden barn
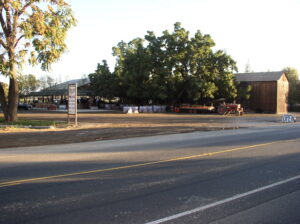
269, 92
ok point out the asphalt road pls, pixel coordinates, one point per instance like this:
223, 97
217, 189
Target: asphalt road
233, 176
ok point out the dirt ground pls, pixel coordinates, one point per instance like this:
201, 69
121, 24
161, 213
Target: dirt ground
106, 126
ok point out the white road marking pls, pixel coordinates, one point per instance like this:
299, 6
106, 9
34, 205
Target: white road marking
238, 196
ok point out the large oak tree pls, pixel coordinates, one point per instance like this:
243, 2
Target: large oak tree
173, 68
33, 31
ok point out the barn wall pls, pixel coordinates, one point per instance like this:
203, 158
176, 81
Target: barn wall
263, 97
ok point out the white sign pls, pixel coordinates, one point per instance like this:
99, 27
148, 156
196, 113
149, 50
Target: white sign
72, 108
288, 118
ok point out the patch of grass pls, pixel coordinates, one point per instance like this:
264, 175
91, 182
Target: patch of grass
23, 122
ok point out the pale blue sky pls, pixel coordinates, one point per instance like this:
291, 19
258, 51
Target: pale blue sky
264, 32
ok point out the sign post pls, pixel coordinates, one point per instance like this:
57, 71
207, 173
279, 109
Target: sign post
72, 104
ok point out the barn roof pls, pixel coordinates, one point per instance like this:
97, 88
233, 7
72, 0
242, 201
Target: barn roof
258, 76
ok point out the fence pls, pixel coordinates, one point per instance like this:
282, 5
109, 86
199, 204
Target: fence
145, 109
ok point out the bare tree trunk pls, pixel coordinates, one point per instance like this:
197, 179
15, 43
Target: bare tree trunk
13, 99
3, 101
13, 91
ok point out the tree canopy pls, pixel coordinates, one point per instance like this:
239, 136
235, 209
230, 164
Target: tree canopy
32, 31
27, 84
294, 85
103, 81
172, 68
47, 81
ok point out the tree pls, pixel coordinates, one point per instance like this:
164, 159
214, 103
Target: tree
27, 84
46, 81
294, 85
84, 79
103, 82
133, 71
248, 67
223, 67
173, 68
3, 92
33, 31
243, 92
188, 67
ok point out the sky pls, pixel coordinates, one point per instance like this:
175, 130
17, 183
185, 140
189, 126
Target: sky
263, 33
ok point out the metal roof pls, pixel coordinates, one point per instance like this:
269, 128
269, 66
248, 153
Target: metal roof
259, 76
64, 85
62, 89
61, 93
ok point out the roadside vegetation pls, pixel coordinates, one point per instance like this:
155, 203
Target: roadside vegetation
25, 122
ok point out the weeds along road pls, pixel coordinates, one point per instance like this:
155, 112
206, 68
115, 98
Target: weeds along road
233, 176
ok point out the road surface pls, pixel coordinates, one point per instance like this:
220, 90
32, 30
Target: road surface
232, 176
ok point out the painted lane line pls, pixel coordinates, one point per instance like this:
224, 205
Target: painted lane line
217, 203
30, 180
17, 182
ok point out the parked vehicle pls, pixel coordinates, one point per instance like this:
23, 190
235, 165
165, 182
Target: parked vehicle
24, 106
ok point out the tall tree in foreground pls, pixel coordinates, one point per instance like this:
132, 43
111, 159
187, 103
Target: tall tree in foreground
33, 31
